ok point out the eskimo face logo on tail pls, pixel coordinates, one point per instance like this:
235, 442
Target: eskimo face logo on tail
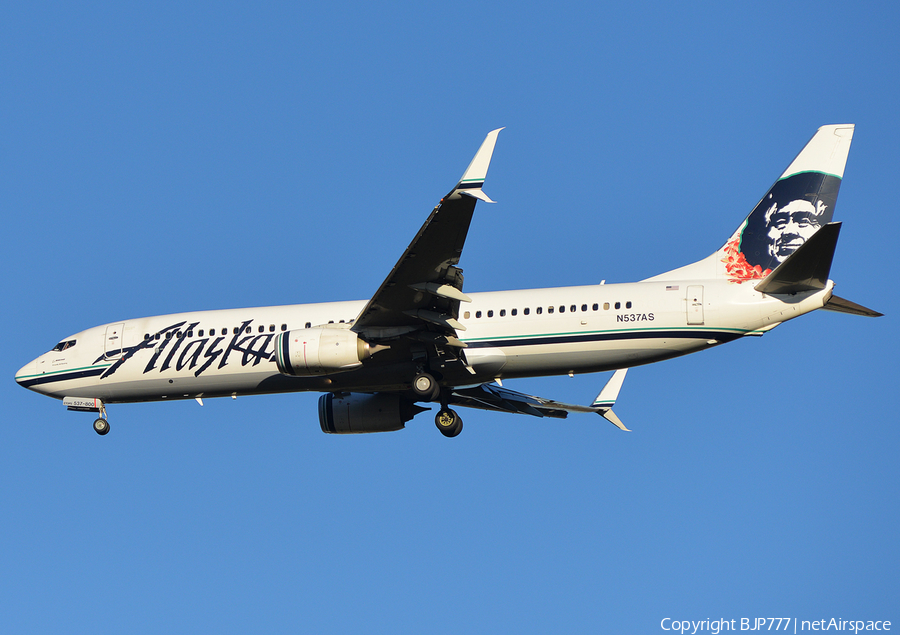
792, 211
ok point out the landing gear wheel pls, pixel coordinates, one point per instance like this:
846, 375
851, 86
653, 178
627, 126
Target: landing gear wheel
426, 387
448, 422
101, 426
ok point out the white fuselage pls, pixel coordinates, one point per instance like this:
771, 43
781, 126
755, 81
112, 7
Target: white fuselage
508, 334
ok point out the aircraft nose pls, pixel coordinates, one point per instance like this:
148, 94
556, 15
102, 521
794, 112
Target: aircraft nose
27, 372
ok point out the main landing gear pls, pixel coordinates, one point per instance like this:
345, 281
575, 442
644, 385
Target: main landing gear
448, 422
426, 387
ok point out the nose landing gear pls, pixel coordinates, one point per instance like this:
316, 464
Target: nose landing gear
101, 426
101, 423
90, 404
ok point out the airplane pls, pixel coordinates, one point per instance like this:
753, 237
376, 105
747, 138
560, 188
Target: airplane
420, 339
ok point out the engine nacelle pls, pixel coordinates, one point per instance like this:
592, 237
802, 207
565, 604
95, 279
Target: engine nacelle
321, 351
355, 413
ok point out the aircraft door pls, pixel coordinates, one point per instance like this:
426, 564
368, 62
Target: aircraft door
112, 343
695, 304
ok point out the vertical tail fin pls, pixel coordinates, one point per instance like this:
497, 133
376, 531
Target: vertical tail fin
800, 203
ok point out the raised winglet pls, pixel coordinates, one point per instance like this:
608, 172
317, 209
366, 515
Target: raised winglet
473, 178
607, 399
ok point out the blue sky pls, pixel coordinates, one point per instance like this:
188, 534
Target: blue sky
161, 158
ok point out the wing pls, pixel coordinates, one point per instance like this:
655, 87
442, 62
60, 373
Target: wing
419, 299
494, 397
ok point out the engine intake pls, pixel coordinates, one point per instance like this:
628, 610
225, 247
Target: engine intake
354, 413
319, 351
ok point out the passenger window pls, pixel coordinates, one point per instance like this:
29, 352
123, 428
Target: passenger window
146, 336
308, 325
200, 333
466, 315
212, 332
284, 327
514, 311
540, 310
502, 312
491, 313
596, 306
526, 311
562, 309
606, 306
261, 328
477, 314
190, 334
583, 307
549, 309
628, 305
271, 328
618, 305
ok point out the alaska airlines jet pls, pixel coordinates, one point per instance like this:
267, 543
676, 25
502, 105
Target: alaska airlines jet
421, 339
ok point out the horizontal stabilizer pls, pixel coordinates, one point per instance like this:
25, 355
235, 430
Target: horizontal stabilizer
840, 305
807, 268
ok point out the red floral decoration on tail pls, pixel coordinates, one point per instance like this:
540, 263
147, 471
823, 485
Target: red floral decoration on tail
736, 265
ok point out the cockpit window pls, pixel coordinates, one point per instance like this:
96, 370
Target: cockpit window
62, 346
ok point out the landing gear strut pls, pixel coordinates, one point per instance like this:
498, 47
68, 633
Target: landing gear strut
448, 422
101, 425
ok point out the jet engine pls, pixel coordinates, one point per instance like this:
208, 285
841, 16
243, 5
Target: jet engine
351, 413
319, 351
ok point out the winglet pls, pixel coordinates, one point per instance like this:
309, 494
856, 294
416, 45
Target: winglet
607, 399
473, 178
610, 416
